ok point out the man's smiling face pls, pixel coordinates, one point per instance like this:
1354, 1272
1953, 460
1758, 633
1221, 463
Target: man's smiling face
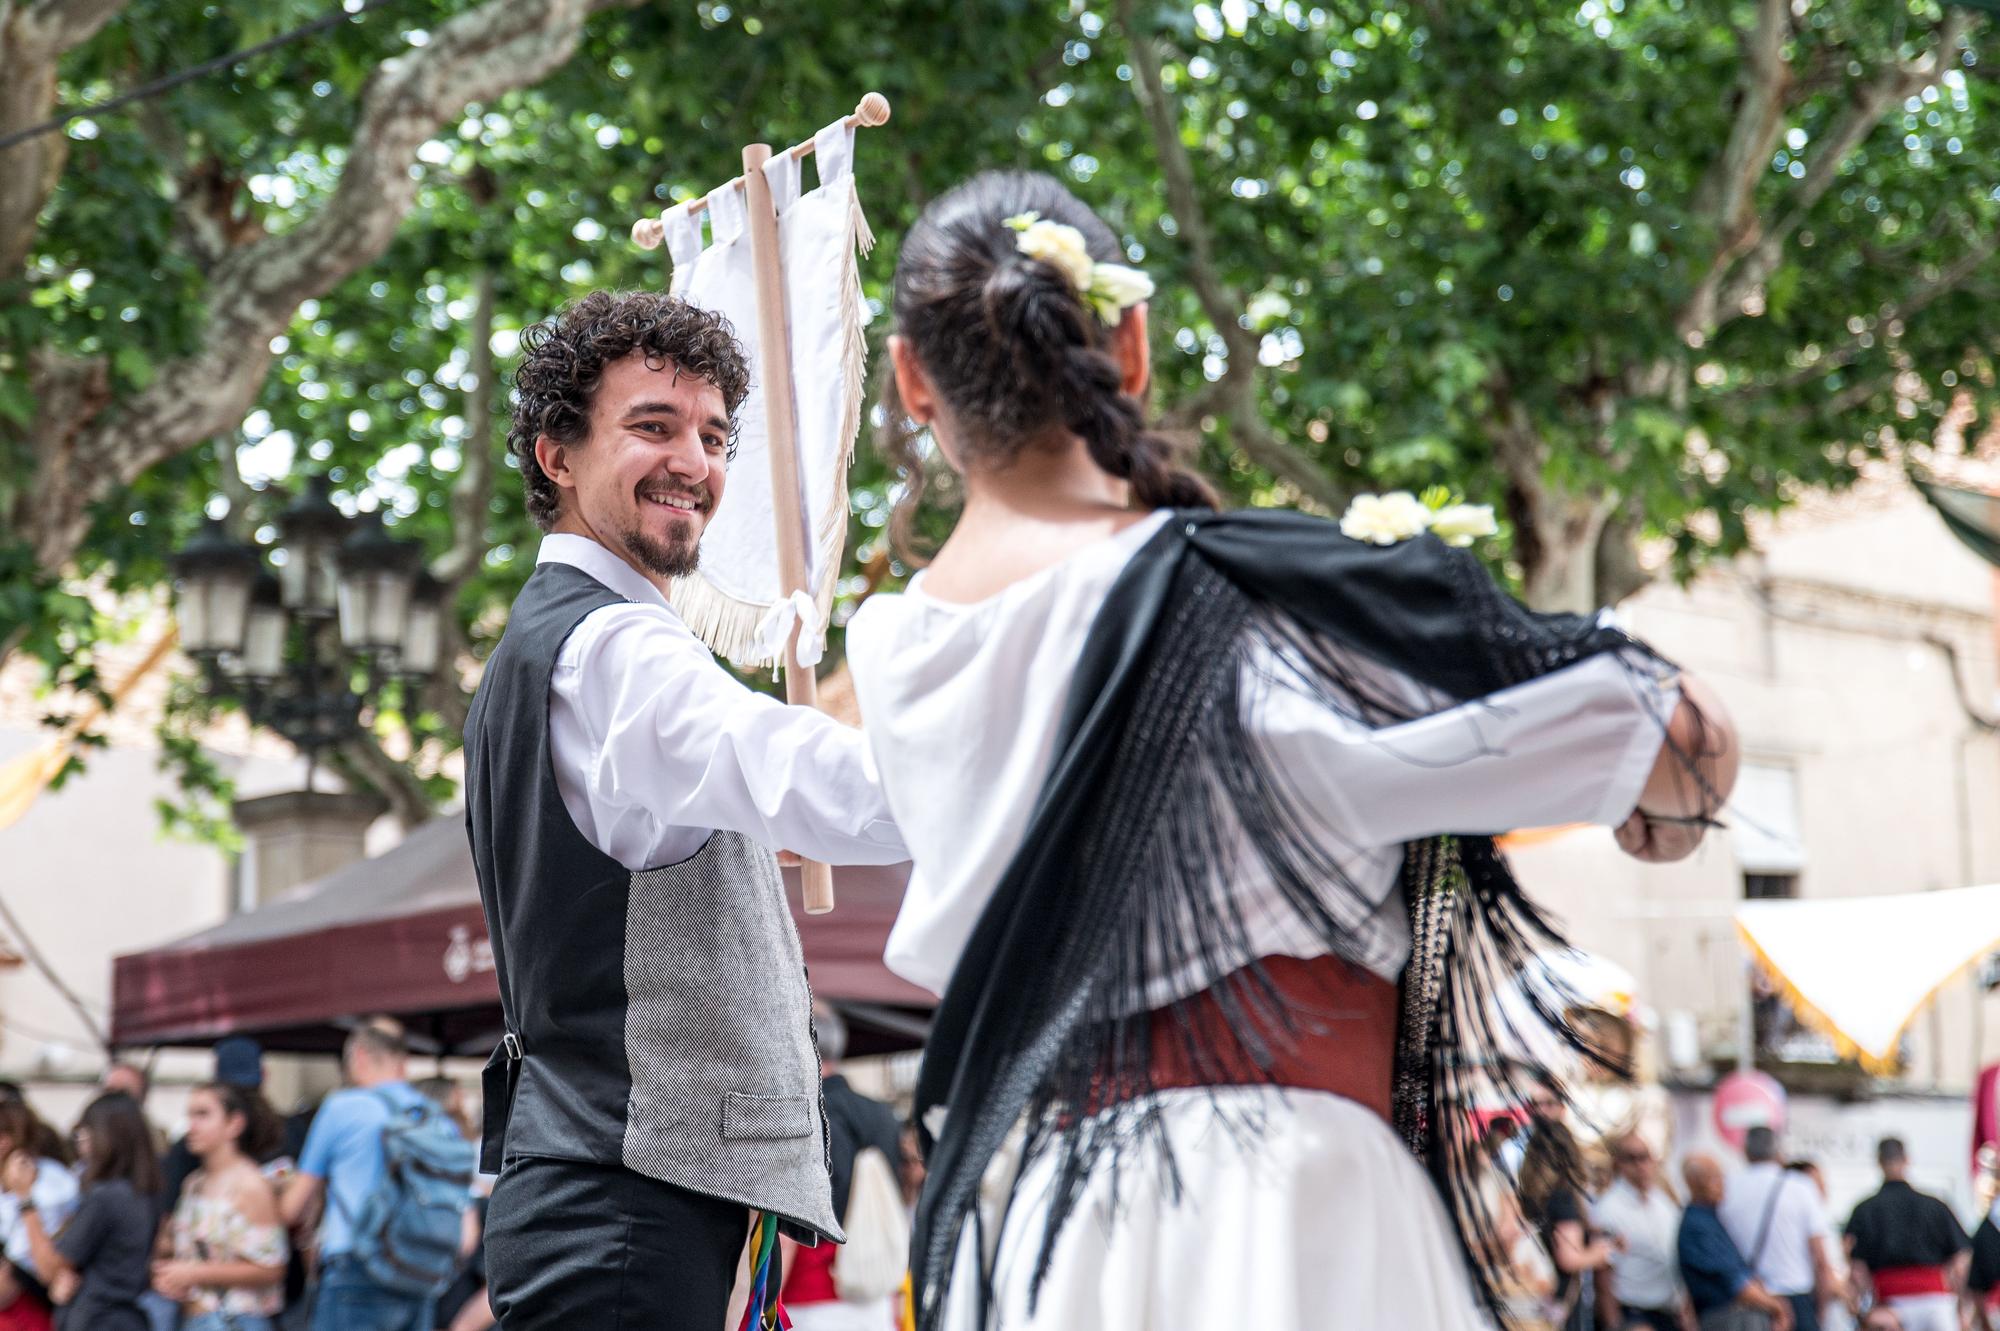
647, 480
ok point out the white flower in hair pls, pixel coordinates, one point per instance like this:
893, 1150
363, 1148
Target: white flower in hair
1462, 524
1053, 242
1385, 519
1109, 288
1114, 289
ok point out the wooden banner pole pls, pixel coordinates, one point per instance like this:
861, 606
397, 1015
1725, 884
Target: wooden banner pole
774, 347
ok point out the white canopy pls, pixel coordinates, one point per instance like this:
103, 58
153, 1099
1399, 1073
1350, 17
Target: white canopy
1859, 969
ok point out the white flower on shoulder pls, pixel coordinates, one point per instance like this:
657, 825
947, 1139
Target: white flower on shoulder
1462, 524
1063, 246
1114, 289
1385, 519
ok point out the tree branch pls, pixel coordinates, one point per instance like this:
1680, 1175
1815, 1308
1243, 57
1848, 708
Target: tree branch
1727, 194
1863, 115
472, 491
475, 56
32, 40
1235, 395
393, 780
1924, 294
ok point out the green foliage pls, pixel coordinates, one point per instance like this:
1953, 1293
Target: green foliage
1418, 208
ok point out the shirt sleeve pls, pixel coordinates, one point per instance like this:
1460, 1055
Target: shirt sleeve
329, 1132
1706, 1248
1575, 745
84, 1235
670, 739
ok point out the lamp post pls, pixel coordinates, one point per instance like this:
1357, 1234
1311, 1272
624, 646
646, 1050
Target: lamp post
348, 610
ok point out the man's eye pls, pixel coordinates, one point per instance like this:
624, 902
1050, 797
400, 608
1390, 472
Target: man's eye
715, 442
653, 427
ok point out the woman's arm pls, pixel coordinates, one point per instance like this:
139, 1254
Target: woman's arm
1690, 780
18, 1177
1573, 1254
174, 1279
49, 1261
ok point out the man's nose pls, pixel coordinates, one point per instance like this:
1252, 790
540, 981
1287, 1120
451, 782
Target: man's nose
687, 460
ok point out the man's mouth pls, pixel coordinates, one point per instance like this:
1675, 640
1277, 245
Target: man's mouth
679, 500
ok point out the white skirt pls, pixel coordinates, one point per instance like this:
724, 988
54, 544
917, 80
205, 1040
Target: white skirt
1323, 1220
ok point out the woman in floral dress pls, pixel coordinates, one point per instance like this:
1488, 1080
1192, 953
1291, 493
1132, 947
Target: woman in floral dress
228, 1267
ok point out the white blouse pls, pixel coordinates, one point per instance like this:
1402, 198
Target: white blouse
961, 704
656, 746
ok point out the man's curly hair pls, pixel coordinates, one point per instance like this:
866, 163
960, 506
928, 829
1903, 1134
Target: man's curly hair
565, 356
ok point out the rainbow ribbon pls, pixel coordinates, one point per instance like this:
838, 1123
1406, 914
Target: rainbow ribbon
766, 1312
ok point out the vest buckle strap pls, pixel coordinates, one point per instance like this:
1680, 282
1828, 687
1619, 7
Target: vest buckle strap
499, 1081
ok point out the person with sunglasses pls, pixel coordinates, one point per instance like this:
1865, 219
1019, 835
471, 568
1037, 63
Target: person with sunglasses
1640, 1211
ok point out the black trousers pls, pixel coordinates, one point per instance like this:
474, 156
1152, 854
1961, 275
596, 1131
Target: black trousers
571, 1246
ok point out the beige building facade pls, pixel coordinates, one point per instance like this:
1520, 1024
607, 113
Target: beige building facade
1856, 652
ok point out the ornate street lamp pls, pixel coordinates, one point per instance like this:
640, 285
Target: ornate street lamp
349, 603
423, 630
377, 575
213, 579
309, 533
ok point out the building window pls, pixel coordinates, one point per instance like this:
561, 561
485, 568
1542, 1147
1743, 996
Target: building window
1764, 828
1770, 886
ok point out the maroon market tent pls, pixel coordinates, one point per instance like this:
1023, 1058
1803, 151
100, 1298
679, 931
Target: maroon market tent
402, 933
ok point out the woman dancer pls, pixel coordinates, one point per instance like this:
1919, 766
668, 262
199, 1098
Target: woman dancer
1187, 792
228, 1267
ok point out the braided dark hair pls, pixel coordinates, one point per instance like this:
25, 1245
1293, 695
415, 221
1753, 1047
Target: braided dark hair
1011, 345
564, 357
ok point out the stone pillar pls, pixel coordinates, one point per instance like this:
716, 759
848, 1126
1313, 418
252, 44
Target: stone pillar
293, 838
300, 835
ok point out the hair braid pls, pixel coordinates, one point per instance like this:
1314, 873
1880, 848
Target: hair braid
1097, 408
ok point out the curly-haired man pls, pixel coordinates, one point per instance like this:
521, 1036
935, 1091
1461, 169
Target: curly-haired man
657, 1082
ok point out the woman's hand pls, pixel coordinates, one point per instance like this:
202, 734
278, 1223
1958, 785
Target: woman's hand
63, 1288
18, 1175
1658, 840
174, 1279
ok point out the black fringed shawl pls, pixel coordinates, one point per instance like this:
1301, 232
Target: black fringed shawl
1155, 793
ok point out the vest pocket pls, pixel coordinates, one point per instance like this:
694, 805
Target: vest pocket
765, 1117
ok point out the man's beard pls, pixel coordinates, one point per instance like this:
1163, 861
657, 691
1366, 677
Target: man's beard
663, 559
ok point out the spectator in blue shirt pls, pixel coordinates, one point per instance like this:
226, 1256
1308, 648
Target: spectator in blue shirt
1718, 1280
340, 1168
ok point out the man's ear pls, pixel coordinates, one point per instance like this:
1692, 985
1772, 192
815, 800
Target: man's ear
553, 459
913, 386
1133, 352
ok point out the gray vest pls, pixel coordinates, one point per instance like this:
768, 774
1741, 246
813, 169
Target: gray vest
658, 1019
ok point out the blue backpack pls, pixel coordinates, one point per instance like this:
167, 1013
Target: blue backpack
407, 1235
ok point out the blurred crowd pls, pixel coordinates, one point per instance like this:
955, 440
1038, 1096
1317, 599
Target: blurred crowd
250, 1221
362, 1213
1603, 1240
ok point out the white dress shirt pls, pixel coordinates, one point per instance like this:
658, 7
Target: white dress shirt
962, 703
1785, 1264
1647, 1274
656, 746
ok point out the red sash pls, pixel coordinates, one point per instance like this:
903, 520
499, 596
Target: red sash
1343, 1037
1904, 1282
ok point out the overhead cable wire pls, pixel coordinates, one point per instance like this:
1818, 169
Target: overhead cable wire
171, 81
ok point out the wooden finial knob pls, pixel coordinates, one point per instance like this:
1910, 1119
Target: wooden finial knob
874, 110
648, 233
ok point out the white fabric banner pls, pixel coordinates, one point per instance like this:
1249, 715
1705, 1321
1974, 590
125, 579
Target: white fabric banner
1859, 969
734, 601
